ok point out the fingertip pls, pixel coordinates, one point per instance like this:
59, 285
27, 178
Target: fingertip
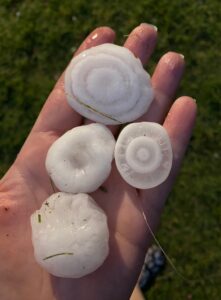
173, 60
147, 28
187, 103
150, 25
182, 115
107, 31
142, 41
167, 75
102, 34
98, 36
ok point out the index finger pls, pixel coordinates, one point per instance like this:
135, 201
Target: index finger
56, 115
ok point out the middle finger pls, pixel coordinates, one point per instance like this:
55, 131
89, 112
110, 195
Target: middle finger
141, 42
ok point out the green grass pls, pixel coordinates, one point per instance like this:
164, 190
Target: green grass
37, 39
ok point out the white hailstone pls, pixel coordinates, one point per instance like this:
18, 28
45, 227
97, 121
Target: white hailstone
80, 160
70, 235
143, 154
108, 84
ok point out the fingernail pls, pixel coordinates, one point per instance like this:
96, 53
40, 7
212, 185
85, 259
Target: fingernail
147, 24
181, 55
194, 99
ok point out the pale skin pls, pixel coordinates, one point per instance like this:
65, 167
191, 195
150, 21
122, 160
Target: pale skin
26, 185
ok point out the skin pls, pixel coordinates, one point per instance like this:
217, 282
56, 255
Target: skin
26, 185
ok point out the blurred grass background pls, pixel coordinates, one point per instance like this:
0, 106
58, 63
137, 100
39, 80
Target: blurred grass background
37, 39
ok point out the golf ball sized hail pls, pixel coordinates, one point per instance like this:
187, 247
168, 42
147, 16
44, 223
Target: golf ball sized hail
108, 84
70, 235
80, 160
143, 154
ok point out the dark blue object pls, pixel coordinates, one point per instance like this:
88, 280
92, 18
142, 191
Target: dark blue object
154, 263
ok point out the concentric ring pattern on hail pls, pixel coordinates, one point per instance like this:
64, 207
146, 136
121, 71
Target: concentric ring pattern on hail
143, 154
108, 84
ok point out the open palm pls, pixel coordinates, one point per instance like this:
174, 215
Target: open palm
26, 185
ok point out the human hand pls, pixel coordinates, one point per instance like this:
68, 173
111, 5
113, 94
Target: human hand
26, 185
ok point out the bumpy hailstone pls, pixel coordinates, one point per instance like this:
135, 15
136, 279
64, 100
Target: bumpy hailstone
143, 154
80, 160
108, 84
70, 235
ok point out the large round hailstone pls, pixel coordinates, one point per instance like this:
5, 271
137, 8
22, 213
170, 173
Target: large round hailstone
143, 154
70, 235
80, 160
108, 84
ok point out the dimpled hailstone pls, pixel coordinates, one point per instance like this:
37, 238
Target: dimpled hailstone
143, 154
70, 235
108, 84
80, 160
